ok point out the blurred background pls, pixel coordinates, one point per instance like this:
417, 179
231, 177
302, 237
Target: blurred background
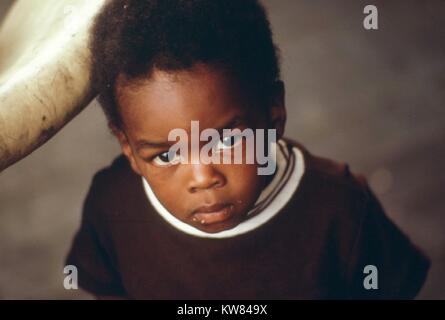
374, 99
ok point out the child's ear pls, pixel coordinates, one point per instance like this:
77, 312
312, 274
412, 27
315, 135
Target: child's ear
277, 108
125, 146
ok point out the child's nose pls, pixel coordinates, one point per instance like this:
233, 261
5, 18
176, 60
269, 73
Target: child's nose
204, 177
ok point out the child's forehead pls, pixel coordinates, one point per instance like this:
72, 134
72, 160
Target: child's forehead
168, 98
160, 124
198, 80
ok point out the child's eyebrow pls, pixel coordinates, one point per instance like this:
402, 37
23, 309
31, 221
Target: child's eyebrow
140, 144
231, 124
152, 144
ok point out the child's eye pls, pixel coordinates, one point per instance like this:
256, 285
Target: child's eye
228, 142
167, 158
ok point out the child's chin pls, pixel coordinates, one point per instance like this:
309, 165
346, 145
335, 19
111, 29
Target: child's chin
218, 227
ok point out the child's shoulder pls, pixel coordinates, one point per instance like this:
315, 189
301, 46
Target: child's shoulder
114, 187
329, 172
116, 175
118, 169
330, 192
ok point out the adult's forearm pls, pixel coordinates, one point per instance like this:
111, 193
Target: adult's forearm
35, 107
47, 85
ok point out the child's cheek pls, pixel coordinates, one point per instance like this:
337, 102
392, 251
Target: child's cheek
154, 173
244, 182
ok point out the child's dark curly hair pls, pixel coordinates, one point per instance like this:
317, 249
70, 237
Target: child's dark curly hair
134, 37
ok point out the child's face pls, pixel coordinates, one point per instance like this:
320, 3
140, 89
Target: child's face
210, 197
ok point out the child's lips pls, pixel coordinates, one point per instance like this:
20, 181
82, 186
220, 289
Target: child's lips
213, 214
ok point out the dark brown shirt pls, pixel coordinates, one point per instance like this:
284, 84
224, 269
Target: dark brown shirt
316, 247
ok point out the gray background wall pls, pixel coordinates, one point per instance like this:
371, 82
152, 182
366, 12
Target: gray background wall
374, 99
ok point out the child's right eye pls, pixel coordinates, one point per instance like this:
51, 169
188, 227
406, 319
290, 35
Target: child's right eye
167, 158
228, 142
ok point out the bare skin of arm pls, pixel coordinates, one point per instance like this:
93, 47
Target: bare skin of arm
44, 71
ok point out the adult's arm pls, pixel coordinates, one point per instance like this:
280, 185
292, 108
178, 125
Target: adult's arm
44, 71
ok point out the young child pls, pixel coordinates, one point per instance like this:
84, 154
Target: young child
154, 227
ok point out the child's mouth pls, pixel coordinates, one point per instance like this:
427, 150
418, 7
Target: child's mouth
219, 212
